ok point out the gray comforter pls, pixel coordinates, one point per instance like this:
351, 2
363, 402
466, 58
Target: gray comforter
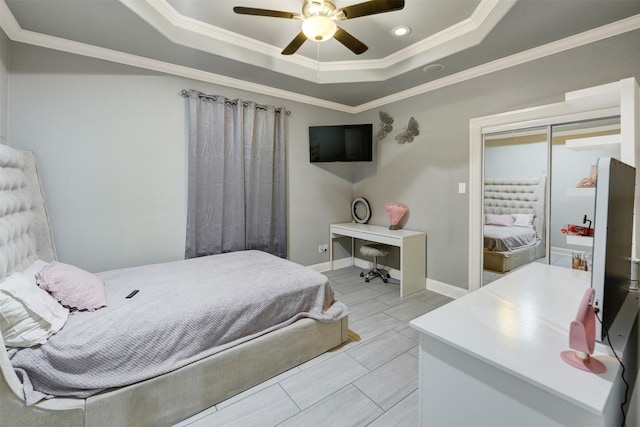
501, 239
184, 311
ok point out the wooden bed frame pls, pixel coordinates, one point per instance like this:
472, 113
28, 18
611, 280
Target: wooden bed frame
509, 196
163, 400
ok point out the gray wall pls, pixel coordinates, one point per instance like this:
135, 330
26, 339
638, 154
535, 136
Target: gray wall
425, 174
110, 142
111, 138
4, 85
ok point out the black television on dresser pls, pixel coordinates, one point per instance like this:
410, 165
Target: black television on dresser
612, 239
341, 143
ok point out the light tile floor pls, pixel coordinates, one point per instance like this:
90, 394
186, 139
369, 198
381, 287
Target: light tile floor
372, 380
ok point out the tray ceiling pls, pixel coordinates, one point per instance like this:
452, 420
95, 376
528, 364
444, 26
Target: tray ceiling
205, 39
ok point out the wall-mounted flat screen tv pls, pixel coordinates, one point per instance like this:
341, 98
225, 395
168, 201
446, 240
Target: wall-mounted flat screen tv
341, 143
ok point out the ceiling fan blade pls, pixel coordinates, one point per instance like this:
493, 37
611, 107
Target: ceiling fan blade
265, 12
295, 44
371, 8
351, 43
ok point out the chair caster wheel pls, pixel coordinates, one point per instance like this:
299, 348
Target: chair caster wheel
388, 276
366, 280
385, 280
361, 274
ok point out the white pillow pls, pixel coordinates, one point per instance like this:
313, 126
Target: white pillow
505, 220
28, 314
523, 220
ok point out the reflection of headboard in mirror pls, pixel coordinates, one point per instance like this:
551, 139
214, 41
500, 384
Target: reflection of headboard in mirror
517, 195
25, 234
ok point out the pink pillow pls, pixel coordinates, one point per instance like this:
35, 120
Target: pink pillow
506, 220
72, 286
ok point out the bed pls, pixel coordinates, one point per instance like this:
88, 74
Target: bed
188, 386
514, 223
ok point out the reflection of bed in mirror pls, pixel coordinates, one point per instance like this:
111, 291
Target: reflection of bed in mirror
514, 225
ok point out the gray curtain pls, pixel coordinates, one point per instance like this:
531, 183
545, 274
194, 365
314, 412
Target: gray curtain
236, 177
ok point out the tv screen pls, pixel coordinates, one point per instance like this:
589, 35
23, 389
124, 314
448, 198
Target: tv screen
341, 143
613, 230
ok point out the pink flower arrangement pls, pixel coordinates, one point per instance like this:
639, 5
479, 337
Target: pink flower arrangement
395, 212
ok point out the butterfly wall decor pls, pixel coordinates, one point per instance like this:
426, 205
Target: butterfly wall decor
410, 132
386, 125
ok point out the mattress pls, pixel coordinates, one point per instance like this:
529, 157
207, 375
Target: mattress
184, 311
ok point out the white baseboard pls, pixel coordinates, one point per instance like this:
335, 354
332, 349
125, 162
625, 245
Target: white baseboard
346, 262
326, 266
445, 289
320, 268
431, 284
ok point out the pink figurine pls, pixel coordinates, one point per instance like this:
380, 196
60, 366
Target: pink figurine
395, 212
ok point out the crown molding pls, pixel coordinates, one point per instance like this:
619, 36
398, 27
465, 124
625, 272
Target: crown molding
17, 34
484, 17
196, 34
7, 20
164, 18
191, 33
572, 42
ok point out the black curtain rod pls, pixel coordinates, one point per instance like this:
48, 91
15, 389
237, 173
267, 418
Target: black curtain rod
185, 94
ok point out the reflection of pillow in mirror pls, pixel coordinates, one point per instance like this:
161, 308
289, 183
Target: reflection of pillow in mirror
506, 220
523, 220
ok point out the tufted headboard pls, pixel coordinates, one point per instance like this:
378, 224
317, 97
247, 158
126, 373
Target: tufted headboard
25, 234
517, 195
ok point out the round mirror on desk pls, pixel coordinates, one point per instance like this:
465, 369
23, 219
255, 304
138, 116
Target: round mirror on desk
360, 210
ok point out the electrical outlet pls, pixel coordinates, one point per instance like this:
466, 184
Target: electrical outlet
325, 248
320, 249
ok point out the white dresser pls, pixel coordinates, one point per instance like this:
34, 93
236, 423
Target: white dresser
492, 357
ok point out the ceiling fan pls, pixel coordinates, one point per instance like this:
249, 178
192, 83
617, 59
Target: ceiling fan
319, 20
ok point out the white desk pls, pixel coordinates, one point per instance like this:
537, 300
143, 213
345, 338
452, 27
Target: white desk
412, 246
492, 357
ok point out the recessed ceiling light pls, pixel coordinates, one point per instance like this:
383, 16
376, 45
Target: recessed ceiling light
401, 30
433, 68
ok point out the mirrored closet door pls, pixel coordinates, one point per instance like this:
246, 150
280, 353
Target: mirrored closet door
514, 200
539, 194
575, 150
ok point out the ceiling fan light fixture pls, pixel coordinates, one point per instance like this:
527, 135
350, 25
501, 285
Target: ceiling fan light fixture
318, 7
319, 28
318, 21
